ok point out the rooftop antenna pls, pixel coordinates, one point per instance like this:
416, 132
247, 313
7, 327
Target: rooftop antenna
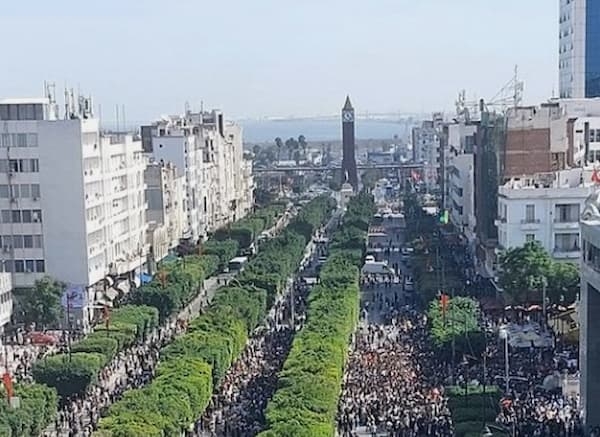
124, 118
67, 110
117, 109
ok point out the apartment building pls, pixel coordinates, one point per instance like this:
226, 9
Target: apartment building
164, 195
207, 153
546, 208
71, 198
426, 148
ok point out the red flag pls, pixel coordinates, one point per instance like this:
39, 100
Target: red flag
595, 176
8, 385
444, 301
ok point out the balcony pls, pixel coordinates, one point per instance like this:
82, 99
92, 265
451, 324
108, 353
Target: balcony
500, 221
566, 224
528, 224
570, 253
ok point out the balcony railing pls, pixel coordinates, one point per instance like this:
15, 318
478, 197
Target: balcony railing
566, 220
530, 221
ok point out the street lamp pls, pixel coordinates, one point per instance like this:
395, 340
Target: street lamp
504, 336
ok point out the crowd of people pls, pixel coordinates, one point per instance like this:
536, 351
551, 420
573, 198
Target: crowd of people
385, 388
237, 409
131, 368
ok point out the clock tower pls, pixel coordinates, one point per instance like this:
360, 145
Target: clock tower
349, 173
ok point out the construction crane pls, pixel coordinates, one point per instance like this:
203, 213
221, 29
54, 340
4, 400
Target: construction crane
510, 95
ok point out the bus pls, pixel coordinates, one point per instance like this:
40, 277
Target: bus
238, 263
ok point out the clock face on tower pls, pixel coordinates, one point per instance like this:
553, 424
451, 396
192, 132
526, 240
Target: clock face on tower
347, 116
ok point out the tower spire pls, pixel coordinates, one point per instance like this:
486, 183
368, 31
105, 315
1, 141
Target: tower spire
348, 104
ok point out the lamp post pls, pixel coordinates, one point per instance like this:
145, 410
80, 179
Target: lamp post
504, 336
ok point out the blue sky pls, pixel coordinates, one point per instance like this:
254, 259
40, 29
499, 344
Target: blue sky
278, 57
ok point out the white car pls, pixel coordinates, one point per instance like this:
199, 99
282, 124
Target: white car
369, 259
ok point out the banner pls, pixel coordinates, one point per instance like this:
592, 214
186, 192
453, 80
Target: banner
74, 297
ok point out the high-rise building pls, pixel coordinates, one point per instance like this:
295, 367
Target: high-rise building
348, 145
579, 48
71, 198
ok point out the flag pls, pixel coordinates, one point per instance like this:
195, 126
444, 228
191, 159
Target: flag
415, 175
595, 177
444, 301
8, 385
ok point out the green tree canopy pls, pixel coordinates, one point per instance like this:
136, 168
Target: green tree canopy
525, 270
41, 303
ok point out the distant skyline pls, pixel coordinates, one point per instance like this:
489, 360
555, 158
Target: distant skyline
278, 58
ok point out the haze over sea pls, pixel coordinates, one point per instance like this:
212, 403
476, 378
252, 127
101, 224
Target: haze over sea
266, 130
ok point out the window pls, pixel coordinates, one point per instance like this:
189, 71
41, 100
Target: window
529, 237
566, 242
28, 242
5, 140
14, 191
39, 266
16, 216
21, 140
37, 215
35, 191
38, 242
25, 191
34, 165
30, 265
17, 241
15, 165
529, 213
598, 135
4, 191
3, 166
32, 140
5, 213
592, 135
8, 266
19, 266
26, 215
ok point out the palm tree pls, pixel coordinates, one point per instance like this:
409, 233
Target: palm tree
279, 145
303, 144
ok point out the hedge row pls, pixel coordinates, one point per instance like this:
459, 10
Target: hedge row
176, 284
471, 408
246, 230
305, 403
38, 408
196, 362
71, 374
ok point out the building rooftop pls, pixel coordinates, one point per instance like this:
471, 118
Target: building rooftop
25, 101
564, 179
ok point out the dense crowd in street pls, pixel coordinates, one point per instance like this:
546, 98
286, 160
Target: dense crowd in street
237, 409
131, 368
384, 387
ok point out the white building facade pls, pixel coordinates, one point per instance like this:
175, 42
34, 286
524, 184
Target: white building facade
207, 152
544, 208
71, 199
164, 195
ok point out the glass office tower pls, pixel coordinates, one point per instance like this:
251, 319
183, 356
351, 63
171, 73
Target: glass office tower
579, 48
